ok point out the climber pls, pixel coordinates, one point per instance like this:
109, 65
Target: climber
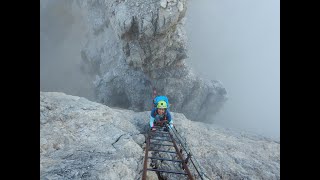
160, 114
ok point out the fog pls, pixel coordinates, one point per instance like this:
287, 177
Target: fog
62, 34
234, 41
238, 43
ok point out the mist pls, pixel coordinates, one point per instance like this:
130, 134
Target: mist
238, 43
62, 35
234, 41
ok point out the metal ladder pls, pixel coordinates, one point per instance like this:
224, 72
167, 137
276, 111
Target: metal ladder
165, 137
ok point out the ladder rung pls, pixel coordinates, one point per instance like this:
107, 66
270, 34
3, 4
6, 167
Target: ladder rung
162, 144
162, 151
162, 140
158, 126
160, 129
160, 132
165, 159
160, 137
165, 171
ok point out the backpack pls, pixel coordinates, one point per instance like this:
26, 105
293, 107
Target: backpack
161, 98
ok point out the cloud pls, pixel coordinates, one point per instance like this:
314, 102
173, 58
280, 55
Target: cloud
238, 43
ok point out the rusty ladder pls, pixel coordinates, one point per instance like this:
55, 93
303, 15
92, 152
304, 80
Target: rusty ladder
152, 135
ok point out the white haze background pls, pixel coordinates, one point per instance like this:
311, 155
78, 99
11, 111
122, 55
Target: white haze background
238, 43
234, 41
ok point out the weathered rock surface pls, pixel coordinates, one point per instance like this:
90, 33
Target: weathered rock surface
80, 139
134, 45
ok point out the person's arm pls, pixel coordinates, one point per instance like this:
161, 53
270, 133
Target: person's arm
152, 117
151, 121
170, 120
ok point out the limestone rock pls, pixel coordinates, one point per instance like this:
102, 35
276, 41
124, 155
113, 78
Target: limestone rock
163, 3
133, 46
80, 139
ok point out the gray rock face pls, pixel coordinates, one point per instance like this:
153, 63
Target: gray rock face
133, 46
228, 154
80, 139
